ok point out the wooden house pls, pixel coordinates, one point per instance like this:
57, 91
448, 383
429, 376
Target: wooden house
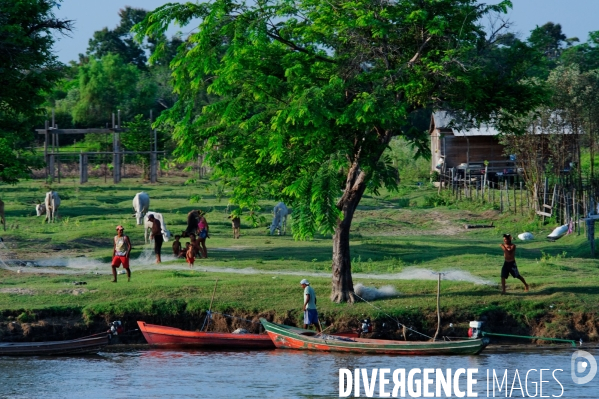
466, 149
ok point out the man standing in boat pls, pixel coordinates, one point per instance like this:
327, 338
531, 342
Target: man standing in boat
509, 264
310, 312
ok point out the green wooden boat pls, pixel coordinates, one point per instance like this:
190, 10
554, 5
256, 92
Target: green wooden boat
287, 337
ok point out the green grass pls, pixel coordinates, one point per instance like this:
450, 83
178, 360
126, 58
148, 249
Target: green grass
391, 233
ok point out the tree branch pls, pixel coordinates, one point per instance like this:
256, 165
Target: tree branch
419, 52
298, 48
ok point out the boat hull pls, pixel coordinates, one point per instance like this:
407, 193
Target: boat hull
286, 337
162, 336
83, 346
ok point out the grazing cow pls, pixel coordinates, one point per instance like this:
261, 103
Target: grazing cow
49, 207
166, 234
279, 220
2, 219
141, 204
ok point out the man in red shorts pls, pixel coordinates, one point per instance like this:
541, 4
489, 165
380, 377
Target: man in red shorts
121, 252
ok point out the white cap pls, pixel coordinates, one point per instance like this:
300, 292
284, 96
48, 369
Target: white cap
304, 281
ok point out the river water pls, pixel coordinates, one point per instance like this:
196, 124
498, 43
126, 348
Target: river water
274, 374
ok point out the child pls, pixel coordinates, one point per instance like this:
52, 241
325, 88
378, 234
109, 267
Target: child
236, 224
509, 264
177, 247
194, 243
190, 255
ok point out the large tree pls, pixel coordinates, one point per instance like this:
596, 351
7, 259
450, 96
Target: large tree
305, 95
106, 85
119, 40
27, 69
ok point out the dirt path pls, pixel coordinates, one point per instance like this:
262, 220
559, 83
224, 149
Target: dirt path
78, 265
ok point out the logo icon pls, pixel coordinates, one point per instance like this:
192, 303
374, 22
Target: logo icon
580, 362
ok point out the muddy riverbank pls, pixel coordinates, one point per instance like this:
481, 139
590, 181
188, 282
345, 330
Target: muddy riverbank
43, 325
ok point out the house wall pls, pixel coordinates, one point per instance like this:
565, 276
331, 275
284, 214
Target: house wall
455, 149
474, 149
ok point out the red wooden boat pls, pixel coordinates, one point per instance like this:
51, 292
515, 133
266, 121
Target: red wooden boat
288, 337
175, 337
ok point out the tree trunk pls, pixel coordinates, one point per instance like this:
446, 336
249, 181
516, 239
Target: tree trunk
342, 283
355, 185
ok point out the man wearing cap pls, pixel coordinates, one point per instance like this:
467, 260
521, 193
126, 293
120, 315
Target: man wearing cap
310, 312
121, 252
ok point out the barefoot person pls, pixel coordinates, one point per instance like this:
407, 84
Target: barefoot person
310, 312
509, 264
195, 244
190, 255
177, 250
120, 252
156, 236
204, 232
236, 224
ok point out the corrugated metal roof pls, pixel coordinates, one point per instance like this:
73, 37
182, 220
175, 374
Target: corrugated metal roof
442, 120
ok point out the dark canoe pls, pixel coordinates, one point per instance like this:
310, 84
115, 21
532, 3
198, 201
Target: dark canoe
174, 337
82, 346
287, 337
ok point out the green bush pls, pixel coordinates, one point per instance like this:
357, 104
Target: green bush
436, 200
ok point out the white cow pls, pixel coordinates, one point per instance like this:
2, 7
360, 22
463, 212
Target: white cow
141, 204
49, 207
166, 234
279, 220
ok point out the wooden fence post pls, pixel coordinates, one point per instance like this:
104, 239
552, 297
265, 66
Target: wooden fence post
153, 167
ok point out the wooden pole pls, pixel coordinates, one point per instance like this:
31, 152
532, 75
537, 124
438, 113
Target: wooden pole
507, 195
58, 152
521, 201
211, 301
515, 200
46, 148
151, 121
575, 212
438, 306
545, 191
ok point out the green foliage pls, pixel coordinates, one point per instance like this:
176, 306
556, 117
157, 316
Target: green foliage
28, 69
107, 85
195, 199
139, 137
585, 55
26, 317
435, 200
295, 113
404, 157
120, 41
